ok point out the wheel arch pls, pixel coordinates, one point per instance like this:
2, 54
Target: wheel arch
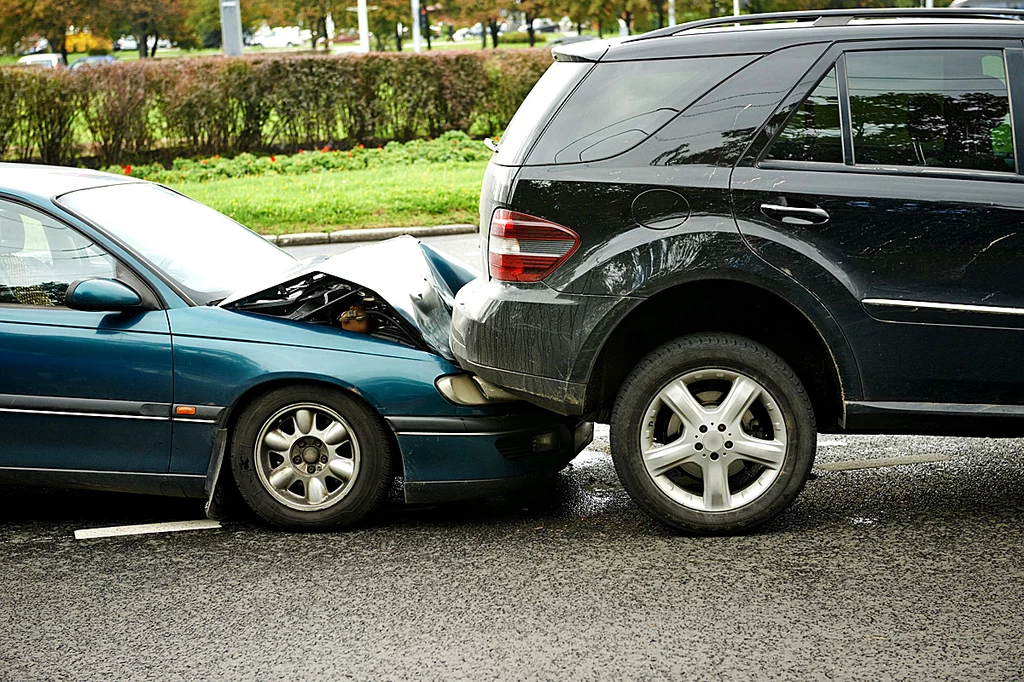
751, 309
233, 412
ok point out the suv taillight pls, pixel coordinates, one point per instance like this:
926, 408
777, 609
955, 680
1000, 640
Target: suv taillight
523, 248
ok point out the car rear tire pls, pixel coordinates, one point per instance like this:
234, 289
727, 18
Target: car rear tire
310, 458
713, 434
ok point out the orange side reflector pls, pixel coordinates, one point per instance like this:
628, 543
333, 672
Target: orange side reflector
184, 409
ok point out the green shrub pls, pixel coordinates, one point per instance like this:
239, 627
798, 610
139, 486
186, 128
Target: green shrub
450, 147
217, 105
11, 88
117, 110
51, 101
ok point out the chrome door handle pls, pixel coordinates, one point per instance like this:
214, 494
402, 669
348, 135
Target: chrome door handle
795, 215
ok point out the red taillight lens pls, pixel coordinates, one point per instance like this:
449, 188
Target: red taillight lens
523, 248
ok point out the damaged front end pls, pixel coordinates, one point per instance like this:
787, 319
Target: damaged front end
400, 290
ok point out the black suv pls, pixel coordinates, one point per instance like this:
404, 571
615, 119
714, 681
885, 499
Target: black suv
725, 236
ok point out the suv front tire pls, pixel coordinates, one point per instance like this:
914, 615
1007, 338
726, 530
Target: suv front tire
713, 434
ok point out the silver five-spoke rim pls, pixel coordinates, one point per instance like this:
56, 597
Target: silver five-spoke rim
713, 440
307, 456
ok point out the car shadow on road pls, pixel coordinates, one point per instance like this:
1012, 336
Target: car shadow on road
589, 496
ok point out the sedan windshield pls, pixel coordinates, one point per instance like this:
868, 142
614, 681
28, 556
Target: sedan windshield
205, 253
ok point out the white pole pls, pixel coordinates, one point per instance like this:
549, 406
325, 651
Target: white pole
671, 12
415, 25
231, 27
364, 28
930, 4
735, 8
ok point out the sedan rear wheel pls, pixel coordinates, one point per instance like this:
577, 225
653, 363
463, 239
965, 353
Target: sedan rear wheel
713, 434
310, 458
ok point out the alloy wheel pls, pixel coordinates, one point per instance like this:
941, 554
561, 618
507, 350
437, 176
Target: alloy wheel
307, 456
713, 440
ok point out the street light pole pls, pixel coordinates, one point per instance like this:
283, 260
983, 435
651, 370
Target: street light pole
735, 8
671, 12
231, 27
364, 27
416, 25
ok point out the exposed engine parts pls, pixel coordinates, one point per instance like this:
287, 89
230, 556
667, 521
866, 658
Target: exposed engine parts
329, 300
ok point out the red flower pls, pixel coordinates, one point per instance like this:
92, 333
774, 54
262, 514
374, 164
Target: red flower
326, 149
362, 147
350, 155
273, 159
302, 151
128, 169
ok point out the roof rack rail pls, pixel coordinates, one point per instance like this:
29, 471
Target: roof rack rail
838, 17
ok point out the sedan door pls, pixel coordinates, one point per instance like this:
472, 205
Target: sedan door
79, 390
893, 191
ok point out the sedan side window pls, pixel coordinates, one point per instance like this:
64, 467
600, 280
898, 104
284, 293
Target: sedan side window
814, 133
40, 258
937, 108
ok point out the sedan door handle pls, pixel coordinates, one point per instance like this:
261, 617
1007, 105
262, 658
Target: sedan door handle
795, 215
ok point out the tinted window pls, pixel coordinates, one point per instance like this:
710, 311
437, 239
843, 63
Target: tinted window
939, 108
620, 104
40, 258
814, 133
546, 95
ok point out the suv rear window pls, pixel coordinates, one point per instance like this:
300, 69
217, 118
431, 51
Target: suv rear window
620, 104
941, 108
552, 88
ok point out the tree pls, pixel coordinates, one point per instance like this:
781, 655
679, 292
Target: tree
204, 18
531, 9
145, 19
312, 14
51, 19
489, 13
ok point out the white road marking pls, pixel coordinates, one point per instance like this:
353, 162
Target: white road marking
850, 465
143, 529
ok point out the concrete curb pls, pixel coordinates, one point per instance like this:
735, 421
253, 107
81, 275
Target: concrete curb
366, 235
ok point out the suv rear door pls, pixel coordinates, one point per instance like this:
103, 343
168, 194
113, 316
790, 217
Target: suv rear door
893, 191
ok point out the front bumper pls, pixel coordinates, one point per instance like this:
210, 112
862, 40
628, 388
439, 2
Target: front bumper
531, 339
458, 458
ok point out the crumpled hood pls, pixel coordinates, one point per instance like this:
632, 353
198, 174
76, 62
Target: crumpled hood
419, 282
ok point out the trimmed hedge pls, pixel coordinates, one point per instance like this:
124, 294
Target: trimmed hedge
135, 112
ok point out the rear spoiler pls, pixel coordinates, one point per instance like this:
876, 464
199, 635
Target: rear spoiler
588, 51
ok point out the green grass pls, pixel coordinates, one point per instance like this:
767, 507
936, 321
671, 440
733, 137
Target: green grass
418, 194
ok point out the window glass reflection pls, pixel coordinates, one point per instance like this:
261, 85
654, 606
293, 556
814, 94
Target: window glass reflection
936, 108
814, 133
620, 104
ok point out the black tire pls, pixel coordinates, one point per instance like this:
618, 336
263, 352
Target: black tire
680, 358
370, 484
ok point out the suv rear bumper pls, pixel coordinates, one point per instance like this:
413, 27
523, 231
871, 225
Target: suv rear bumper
542, 333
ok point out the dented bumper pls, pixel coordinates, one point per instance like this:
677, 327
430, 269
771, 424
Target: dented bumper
531, 340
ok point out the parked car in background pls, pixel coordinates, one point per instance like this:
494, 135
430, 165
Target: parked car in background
92, 61
540, 26
183, 353
726, 236
280, 37
42, 61
126, 43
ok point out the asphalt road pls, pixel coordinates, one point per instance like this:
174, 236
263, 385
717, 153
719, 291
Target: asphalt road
906, 572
